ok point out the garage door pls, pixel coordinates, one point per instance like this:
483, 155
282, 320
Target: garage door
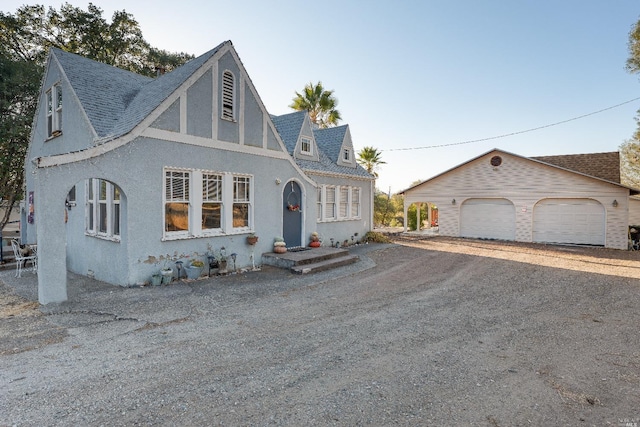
577, 221
488, 219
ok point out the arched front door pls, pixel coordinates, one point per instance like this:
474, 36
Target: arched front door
292, 214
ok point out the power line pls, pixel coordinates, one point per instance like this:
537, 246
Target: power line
514, 133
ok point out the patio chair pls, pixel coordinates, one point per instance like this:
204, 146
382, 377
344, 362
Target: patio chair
23, 257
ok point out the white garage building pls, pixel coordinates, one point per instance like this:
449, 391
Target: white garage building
574, 199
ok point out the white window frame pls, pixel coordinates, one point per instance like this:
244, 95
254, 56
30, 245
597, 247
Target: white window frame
356, 194
242, 195
347, 203
54, 110
306, 141
212, 189
346, 155
319, 203
228, 96
234, 189
330, 208
343, 202
109, 216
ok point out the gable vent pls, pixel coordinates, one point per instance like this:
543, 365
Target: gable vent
227, 95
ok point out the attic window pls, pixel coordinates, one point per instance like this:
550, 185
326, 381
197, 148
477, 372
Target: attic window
227, 95
305, 145
346, 155
496, 161
54, 111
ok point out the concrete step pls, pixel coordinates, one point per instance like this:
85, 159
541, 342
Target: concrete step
326, 264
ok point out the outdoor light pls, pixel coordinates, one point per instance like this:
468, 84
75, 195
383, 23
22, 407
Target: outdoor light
453, 202
615, 203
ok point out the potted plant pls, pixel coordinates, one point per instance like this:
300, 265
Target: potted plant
156, 279
252, 239
194, 269
279, 245
167, 273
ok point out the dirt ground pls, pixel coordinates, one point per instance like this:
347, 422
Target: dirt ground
433, 331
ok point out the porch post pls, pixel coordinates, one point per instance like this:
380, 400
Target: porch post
405, 214
418, 215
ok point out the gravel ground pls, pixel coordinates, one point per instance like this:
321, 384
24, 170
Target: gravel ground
436, 331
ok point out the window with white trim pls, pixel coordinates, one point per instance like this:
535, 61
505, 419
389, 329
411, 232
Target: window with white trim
330, 203
103, 209
346, 155
211, 201
228, 95
355, 202
177, 201
346, 199
203, 203
305, 145
344, 202
54, 111
241, 201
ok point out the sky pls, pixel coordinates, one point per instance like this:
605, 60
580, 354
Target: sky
420, 79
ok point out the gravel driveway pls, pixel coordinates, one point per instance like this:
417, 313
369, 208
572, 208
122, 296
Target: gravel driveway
436, 332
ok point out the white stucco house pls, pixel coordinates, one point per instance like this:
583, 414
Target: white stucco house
125, 172
573, 199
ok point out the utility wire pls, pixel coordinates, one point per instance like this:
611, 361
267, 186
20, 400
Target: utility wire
514, 133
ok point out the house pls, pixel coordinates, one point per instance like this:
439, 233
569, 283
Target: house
127, 173
576, 199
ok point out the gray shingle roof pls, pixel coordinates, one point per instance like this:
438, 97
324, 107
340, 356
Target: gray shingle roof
289, 127
329, 141
116, 100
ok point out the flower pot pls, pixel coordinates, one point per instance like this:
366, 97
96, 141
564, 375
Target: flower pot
167, 276
156, 280
252, 240
222, 266
193, 272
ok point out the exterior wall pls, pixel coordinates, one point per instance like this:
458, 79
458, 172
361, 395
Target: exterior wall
523, 182
342, 230
199, 106
76, 134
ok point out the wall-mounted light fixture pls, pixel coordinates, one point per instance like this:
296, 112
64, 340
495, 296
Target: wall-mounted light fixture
278, 181
615, 203
453, 202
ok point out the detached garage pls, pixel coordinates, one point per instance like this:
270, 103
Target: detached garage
573, 199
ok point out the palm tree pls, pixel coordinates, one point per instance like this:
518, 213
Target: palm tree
320, 103
369, 158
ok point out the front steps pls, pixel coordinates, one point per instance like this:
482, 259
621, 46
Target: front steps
310, 261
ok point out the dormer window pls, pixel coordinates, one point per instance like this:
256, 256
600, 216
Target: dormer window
54, 111
346, 155
305, 145
228, 84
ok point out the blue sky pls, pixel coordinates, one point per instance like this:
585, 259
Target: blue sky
410, 74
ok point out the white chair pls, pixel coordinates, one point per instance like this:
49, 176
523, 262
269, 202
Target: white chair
23, 258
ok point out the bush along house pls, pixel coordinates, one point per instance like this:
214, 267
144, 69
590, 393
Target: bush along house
127, 174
